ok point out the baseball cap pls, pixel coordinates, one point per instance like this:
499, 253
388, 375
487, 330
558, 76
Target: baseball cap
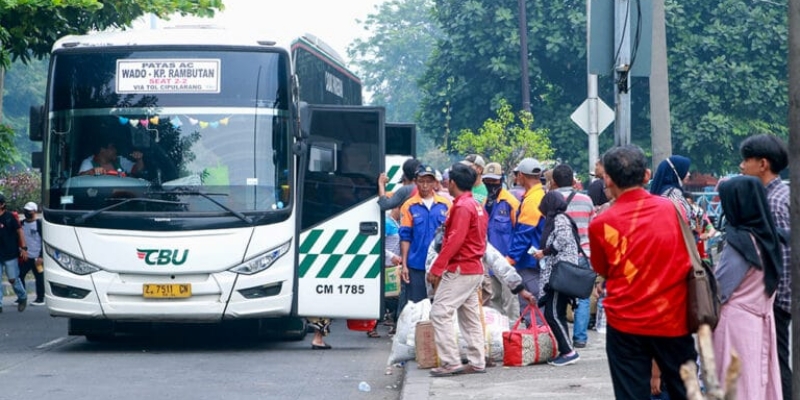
30, 206
474, 159
529, 166
426, 170
493, 171
438, 175
2, 199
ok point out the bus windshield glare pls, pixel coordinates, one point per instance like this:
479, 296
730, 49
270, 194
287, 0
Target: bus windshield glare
177, 130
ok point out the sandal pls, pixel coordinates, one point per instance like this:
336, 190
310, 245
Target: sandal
374, 334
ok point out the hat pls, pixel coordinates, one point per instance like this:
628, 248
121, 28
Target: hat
438, 175
30, 206
529, 166
426, 170
493, 171
2, 199
474, 159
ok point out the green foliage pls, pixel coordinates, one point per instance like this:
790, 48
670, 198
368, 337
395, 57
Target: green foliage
506, 139
9, 155
20, 187
24, 87
28, 28
391, 60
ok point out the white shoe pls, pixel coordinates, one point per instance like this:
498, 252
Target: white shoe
37, 303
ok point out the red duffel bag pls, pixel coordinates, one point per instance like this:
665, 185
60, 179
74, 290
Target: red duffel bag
532, 345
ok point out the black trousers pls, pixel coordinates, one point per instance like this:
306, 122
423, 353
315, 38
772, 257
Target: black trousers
555, 312
30, 266
630, 359
782, 321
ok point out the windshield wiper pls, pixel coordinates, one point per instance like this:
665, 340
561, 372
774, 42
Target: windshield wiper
194, 192
92, 213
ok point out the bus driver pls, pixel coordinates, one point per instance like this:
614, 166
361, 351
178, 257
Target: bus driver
106, 161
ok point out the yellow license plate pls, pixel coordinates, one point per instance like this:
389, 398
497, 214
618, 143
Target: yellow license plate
167, 291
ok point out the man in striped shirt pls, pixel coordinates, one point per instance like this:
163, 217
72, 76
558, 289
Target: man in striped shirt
581, 209
765, 156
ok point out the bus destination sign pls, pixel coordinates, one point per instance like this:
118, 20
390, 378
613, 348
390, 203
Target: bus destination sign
168, 76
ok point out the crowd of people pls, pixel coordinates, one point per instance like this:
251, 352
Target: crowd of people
627, 226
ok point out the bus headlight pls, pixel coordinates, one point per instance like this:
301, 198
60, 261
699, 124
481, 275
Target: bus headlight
262, 261
69, 262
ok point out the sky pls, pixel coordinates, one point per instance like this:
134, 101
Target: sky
332, 21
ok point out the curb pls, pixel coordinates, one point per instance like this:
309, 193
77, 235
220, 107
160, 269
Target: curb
416, 382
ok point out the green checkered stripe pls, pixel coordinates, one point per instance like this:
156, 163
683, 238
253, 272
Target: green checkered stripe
394, 175
327, 254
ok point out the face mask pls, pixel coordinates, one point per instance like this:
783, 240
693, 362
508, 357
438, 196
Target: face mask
28, 215
493, 189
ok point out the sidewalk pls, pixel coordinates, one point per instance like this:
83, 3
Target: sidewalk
589, 378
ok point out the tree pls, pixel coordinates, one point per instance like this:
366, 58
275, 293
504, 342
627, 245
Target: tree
393, 58
727, 66
25, 87
506, 139
28, 28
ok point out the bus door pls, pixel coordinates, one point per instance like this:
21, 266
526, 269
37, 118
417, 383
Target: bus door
401, 144
340, 246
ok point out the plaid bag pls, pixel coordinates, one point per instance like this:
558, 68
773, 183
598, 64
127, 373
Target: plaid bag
532, 345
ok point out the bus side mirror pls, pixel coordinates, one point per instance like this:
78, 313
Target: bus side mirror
37, 160
36, 123
305, 120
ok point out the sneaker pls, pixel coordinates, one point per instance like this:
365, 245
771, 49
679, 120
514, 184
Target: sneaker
563, 360
21, 304
578, 344
37, 302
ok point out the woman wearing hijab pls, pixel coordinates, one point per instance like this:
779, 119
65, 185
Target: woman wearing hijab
668, 182
558, 243
747, 273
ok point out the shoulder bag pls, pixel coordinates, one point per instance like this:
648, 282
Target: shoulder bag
573, 280
703, 302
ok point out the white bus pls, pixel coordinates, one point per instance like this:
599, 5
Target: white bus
248, 206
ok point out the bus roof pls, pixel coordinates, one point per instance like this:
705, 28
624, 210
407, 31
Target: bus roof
183, 35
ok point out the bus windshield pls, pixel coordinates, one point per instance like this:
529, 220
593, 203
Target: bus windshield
180, 130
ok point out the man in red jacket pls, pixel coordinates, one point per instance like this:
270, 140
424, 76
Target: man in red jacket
456, 276
637, 245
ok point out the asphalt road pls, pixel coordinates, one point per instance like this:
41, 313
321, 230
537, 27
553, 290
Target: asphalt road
38, 360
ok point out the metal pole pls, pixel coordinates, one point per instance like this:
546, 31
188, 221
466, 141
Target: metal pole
794, 172
660, 126
523, 55
594, 134
622, 49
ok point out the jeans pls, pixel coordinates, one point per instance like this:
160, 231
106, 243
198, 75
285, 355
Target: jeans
12, 273
581, 321
30, 266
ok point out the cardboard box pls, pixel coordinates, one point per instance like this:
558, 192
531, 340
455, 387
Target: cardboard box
425, 345
391, 287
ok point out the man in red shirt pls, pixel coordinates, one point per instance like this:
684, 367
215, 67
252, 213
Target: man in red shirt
456, 276
637, 245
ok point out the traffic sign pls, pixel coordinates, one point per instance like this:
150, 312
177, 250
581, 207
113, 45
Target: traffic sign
605, 116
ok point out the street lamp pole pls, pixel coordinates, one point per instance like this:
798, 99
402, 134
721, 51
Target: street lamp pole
523, 55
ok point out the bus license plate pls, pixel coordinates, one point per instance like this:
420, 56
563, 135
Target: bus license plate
167, 291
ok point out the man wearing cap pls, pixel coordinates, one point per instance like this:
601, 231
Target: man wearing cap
502, 208
529, 226
12, 247
32, 229
479, 192
420, 216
